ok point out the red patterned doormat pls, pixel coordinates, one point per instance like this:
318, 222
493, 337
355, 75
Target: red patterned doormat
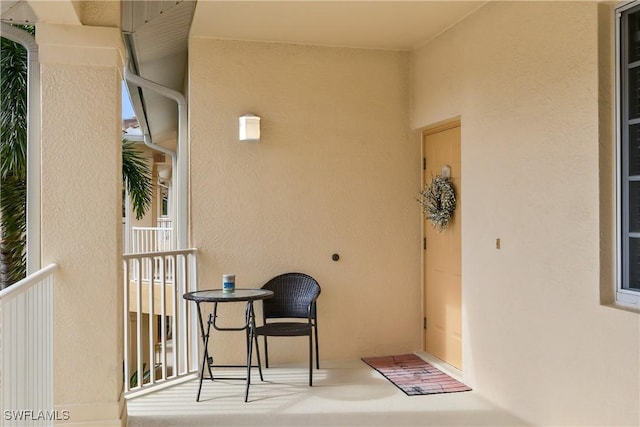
414, 376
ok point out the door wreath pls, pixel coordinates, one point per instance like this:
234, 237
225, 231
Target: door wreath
438, 200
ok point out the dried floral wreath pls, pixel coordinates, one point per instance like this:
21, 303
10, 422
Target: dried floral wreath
438, 200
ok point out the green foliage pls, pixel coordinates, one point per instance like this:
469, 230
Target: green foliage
12, 250
136, 176
13, 107
13, 159
146, 375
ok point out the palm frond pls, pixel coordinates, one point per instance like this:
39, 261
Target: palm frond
136, 175
13, 107
13, 160
13, 229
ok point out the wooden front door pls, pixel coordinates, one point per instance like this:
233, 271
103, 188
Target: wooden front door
442, 256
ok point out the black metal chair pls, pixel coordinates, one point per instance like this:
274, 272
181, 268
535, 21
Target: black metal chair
294, 297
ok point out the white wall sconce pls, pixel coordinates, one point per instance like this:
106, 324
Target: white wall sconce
249, 128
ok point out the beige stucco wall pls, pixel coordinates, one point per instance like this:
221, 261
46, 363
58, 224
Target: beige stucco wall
335, 172
524, 79
81, 225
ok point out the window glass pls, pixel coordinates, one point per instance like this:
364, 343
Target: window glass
634, 150
634, 37
634, 93
634, 264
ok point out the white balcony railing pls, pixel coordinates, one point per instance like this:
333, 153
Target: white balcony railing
26, 351
154, 239
160, 334
164, 222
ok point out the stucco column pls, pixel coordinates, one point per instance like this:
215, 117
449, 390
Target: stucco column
82, 215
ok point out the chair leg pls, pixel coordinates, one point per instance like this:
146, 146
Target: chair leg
310, 360
317, 353
266, 353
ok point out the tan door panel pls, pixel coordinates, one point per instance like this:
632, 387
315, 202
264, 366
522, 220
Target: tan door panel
442, 258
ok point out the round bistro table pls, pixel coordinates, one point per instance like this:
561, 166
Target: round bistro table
217, 296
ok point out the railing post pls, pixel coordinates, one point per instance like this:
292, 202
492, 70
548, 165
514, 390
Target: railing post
193, 316
126, 323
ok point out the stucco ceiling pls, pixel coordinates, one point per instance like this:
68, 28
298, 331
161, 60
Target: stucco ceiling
400, 25
156, 32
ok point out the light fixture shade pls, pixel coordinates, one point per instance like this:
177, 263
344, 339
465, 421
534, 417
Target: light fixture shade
249, 128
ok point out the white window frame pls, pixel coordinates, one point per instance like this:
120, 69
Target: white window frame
623, 296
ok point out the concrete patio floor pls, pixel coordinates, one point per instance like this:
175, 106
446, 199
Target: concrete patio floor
345, 393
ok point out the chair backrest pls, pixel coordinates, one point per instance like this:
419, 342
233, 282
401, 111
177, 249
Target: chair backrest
293, 294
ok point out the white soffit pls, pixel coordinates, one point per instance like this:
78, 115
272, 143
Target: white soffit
395, 25
16, 11
56, 12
